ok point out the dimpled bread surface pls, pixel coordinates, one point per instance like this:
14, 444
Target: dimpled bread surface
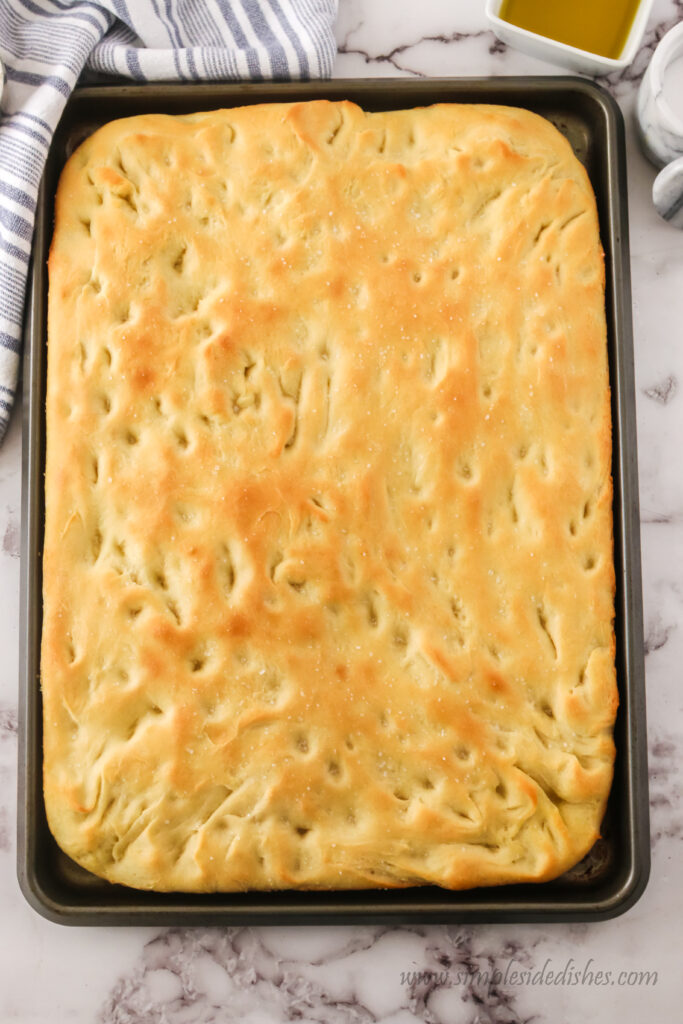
328, 575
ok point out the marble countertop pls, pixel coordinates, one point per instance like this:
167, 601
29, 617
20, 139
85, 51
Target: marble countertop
440, 975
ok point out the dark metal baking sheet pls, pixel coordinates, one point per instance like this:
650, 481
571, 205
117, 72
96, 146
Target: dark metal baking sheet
614, 874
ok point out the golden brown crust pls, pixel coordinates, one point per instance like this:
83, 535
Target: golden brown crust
328, 574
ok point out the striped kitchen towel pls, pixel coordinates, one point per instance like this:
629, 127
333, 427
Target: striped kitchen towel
46, 44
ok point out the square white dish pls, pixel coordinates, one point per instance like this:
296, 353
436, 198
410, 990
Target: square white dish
547, 49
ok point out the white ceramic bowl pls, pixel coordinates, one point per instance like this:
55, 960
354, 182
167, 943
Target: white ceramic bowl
661, 129
583, 61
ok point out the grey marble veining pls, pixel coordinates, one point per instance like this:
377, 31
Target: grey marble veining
440, 975
663, 391
186, 975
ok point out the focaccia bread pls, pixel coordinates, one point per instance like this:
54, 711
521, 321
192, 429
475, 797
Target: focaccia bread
328, 574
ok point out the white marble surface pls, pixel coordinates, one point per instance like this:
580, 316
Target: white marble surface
51, 973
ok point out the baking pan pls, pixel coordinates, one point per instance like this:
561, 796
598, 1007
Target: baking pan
614, 874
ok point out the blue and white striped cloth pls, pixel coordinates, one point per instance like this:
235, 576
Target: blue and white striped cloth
46, 44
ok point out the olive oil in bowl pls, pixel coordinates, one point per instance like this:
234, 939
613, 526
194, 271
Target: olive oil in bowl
598, 26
